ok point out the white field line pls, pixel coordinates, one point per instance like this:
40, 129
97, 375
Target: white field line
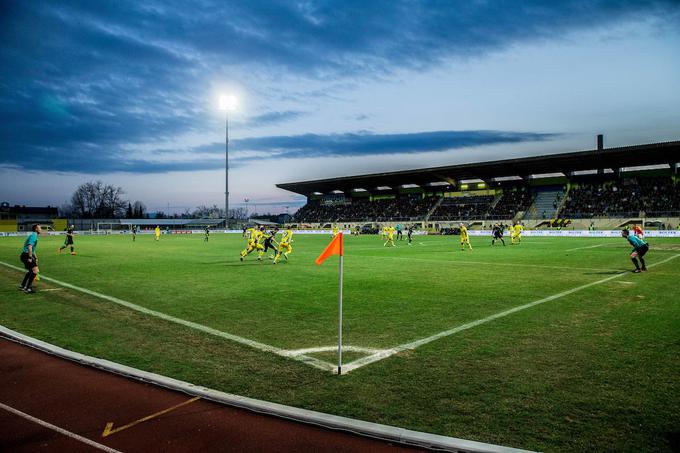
45, 424
316, 363
588, 247
296, 352
414, 344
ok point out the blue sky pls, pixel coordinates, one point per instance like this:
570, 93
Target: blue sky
126, 91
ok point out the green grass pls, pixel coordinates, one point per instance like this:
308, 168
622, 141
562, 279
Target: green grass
596, 370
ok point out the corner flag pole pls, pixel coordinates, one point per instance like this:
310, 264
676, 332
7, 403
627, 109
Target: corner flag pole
335, 248
340, 322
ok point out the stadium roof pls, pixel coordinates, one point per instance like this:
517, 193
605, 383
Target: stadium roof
566, 163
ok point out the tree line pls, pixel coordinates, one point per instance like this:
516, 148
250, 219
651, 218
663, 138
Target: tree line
96, 200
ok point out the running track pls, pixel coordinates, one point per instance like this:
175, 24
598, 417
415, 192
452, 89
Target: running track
82, 400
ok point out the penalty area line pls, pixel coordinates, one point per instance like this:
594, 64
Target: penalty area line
588, 247
415, 344
311, 361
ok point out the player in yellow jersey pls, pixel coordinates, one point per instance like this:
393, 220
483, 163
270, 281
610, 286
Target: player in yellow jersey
335, 230
254, 239
464, 238
518, 232
384, 233
390, 237
158, 232
285, 248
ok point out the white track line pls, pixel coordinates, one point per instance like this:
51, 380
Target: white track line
588, 247
414, 344
316, 363
75, 436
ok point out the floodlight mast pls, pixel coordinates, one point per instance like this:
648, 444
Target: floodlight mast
227, 103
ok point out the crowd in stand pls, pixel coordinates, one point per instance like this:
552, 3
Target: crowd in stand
657, 196
629, 197
512, 202
406, 208
463, 208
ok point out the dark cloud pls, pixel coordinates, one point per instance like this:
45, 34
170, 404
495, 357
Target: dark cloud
82, 80
365, 143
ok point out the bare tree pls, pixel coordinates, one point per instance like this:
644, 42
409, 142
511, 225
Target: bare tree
96, 200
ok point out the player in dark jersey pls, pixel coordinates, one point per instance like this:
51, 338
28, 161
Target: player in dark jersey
134, 233
497, 233
270, 242
640, 248
69, 239
207, 234
409, 233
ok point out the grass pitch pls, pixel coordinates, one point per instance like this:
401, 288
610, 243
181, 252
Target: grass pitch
593, 369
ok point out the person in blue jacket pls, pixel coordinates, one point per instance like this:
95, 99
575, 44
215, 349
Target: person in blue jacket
640, 248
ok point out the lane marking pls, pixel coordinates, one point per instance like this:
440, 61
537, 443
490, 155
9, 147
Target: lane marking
108, 429
415, 344
58, 429
311, 361
589, 247
51, 289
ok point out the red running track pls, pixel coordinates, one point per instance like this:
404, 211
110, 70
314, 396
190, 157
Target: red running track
82, 400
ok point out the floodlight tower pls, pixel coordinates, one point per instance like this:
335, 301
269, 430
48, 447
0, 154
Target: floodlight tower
227, 104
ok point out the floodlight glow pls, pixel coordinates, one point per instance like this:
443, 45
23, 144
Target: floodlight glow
228, 102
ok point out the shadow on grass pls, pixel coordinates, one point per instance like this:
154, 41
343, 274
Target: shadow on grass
247, 263
613, 272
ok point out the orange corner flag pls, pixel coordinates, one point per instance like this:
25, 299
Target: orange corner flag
334, 248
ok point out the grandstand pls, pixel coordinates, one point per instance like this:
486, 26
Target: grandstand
604, 187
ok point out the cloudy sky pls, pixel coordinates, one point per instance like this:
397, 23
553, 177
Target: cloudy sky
127, 91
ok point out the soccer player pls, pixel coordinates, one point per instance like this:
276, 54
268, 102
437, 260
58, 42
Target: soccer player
357, 230
254, 238
285, 248
410, 234
69, 239
207, 233
390, 237
30, 259
464, 238
638, 231
518, 232
158, 232
270, 242
384, 233
335, 230
400, 236
134, 233
640, 248
497, 232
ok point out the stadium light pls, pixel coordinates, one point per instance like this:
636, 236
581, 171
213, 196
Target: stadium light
227, 103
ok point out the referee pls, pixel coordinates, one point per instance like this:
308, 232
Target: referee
30, 259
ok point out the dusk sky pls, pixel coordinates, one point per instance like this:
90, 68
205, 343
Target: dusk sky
127, 91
